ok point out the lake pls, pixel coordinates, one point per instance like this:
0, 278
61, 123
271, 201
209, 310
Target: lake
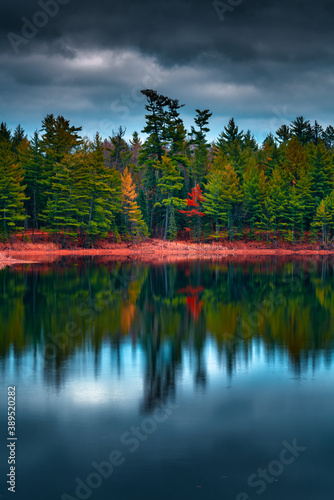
194, 380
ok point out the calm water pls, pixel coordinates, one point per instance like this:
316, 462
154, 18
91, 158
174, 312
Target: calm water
211, 380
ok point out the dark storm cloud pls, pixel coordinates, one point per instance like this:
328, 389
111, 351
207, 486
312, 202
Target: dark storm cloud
262, 61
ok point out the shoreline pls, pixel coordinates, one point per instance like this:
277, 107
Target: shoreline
153, 251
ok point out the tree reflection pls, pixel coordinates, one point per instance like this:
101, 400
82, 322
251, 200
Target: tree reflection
169, 311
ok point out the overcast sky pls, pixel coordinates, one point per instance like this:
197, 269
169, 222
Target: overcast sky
263, 62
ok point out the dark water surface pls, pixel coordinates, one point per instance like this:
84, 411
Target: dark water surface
210, 380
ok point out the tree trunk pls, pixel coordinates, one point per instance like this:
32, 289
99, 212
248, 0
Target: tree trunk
166, 226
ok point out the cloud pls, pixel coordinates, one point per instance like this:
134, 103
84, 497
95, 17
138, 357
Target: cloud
266, 61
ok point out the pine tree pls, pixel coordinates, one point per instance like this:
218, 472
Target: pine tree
161, 125
199, 162
317, 133
249, 141
65, 206
294, 214
166, 136
267, 157
150, 187
31, 159
85, 196
276, 203
231, 196
328, 137
301, 129
105, 194
119, 152
58, 139
135, 146
5, 133
229, 135
18, 137
253, 198
12, 189
323, 220
170, 183
283, 134
213, 201
303, 190
321, 164
293, 160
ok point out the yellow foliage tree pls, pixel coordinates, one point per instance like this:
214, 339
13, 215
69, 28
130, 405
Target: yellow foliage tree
134, 222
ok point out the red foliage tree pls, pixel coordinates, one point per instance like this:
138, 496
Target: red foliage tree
195, 199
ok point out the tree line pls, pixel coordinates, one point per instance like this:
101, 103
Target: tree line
173, 184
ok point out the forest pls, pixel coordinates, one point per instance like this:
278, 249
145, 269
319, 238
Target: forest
175, 184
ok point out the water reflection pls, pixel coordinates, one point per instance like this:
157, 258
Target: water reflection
56, 312
244, 349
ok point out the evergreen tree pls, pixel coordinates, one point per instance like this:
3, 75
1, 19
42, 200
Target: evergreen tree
135, 146
303, 189
323, 219
276, 203
294, 214
66, 207
58, 139
161, 124
301, 129
231, 194
229, 135
166, 136
31, 160
328, 137
105, 194
170, 184
249, 141
317, 133
213, 205
5, 133
231, 198
12, 189
18, 137
200, 153
253, 197
85, 196
268, 156
119, 152
283, 134
293, 160
321, 164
